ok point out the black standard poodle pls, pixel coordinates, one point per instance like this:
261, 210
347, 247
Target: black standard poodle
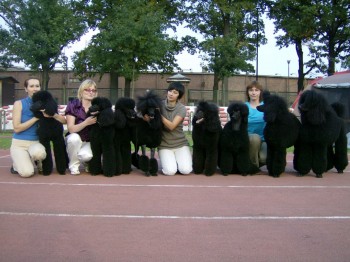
147, 133
124, 116
234, 142
205, 135
102, 138
321, 128
50, 131
281, 131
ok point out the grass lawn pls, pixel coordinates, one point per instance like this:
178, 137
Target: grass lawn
6, 136
5, 139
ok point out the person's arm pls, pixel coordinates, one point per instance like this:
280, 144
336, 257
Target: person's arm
171, 125
60, 118
75, 128
16, 118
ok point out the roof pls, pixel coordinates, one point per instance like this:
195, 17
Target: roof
9, 77
338, 80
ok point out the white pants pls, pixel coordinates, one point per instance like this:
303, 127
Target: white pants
173, 160
78, 151
24, 153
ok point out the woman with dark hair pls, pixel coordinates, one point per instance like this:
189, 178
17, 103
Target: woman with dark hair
256, 124
174, 151
25, 147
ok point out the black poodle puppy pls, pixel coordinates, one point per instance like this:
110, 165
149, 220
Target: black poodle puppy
321, 127
147, 133
205, 135
124, 116
234, 142
281, 131
102, 138
50, 131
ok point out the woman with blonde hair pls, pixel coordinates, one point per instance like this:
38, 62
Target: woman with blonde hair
78, 125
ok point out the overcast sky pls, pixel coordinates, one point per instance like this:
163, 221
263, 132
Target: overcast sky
272, 60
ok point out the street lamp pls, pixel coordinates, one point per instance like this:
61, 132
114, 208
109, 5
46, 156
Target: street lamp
288, 62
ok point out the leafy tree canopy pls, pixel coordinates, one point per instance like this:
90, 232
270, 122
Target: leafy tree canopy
36, 31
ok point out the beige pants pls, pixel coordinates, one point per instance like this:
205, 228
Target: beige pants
24, 153
257, 150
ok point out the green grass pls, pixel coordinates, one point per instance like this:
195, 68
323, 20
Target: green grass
6, 136
5, 139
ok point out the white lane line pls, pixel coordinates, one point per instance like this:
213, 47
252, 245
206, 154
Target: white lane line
179, 217
175, 186
5, 156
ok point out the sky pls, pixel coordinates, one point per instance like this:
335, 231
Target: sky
272, 60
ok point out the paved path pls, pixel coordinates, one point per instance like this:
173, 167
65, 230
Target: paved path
179, 218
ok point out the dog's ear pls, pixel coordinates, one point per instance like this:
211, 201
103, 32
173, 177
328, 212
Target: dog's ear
266, 94
120, 118
244, 113
51, 107
36, 107
105, 117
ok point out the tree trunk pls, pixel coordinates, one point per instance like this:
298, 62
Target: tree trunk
331, 58
114, 86
216, 88
127, 87
301, 76
45, 78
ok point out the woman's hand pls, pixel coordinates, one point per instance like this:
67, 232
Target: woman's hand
91, 120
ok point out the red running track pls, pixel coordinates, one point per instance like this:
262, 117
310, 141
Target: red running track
179, 218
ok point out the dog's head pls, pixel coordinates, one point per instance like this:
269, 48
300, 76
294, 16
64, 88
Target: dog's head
126, 105
208, 114
124, 110
238, 111
313, 107
101, 107
43, 100
274, 107
149, 104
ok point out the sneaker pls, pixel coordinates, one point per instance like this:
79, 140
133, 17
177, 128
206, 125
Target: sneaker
39, 165
13, 171
74, 172
86, 167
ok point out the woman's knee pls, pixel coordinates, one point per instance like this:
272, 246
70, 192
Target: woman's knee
255, 140
25, 171
74, 140
37, 151
85, 153
185, 169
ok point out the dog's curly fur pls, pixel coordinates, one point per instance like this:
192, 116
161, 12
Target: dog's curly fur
124, 116
147, 134
234, 142
102, 138
205, 135
281, 131
50, 130
321, 127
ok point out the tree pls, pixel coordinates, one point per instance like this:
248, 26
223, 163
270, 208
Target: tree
296, 19
229, 29
131, 37
332, 37
37, 31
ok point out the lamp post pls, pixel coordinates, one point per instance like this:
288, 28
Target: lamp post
257, 45
288, 62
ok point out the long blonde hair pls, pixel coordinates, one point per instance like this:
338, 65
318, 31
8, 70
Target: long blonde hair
85, 84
